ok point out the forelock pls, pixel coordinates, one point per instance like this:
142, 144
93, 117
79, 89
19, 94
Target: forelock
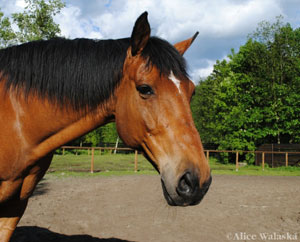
164, 57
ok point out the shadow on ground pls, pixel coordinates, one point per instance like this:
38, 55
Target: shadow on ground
37, 234
41, 188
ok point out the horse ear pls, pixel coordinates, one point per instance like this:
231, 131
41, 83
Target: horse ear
184, 45
140, 34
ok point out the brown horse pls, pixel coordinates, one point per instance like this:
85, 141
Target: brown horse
52, 92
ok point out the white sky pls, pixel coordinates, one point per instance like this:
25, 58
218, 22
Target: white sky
223, 24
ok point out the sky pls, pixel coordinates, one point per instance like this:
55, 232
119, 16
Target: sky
222, 24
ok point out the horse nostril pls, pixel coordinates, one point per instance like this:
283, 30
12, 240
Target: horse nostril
187, 185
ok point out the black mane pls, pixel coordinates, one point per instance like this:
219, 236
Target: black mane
165, 57
81, 72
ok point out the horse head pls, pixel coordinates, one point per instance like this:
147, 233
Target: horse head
153, 114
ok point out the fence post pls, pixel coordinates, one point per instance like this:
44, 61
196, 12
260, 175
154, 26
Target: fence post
286, 159
263, 161
237, 161
92, 161
135, 161
207, 156
63, 151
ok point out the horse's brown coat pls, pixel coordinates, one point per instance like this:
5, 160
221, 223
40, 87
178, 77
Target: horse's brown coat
162, 125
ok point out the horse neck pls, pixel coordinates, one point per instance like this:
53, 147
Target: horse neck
45, 126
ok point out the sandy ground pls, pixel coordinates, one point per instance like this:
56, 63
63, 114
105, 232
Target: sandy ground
132, 208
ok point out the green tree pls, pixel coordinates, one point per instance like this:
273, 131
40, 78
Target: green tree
254, 97
203, 103
7, 35
93, 137
104, 134
34, 23
109, 133
266, 31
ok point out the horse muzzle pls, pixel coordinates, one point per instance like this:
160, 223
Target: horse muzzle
187, 192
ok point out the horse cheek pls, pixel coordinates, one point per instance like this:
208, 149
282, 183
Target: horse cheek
126, 122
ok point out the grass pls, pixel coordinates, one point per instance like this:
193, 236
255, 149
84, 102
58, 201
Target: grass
123, 164
105, 165
251, 170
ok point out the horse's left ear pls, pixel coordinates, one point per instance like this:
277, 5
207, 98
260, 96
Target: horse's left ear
184, 45
140, 34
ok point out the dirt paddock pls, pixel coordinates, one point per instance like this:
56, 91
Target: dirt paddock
132, 208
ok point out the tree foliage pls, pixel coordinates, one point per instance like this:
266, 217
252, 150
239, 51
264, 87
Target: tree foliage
6, 32
104, 134
34, 23
253, 97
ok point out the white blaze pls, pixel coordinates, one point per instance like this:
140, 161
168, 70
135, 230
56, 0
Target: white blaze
175, 81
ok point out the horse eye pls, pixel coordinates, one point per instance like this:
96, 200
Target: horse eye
145, 90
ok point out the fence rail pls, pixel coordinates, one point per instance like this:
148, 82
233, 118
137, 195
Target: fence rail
237, 152
91, 151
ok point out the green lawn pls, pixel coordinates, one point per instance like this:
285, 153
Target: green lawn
121, 164
102, 163
251, 170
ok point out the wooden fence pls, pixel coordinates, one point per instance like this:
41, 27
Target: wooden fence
91, 151
262, 153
